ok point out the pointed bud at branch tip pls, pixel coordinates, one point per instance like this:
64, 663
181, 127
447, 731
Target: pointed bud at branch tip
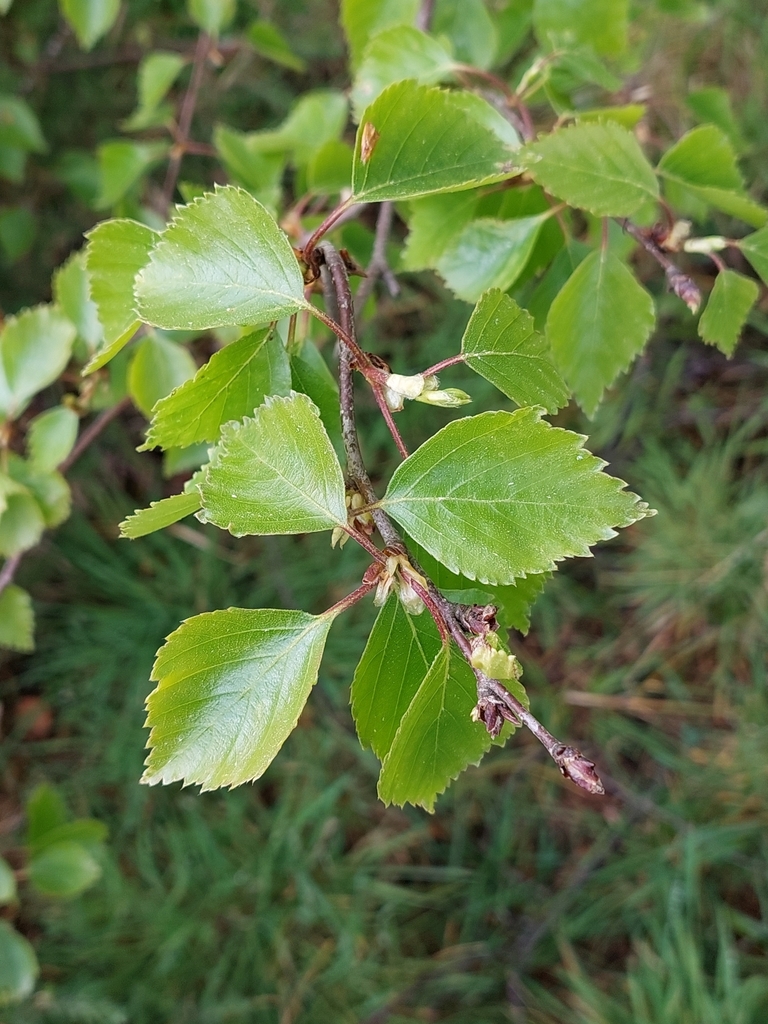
685, 288
579, 769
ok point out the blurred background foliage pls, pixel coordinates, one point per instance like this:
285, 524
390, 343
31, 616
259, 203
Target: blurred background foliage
301, 898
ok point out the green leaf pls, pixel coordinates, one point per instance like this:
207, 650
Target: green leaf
86, 831
563, 265
117, 250
363, 19
21, 524
18, 966
727, 309
13, 160
310, 375
90, 19
755, 248
268, 41
63, 870
626, 115
160, 514
513, 601
122, 164
435, 223
49, 489
489, 254
318, 117
429, 141
597, 167
7, 880
230, 386
601, 23
212, 15
19, 127
599, 322
330, 169
231, 687
222, 262
45, 810
51, 437
157, 73
533, 496
395, 661
250, 164
158, 367
704, 162
17, 620
469, 27
18, 230
501, 345
394, 55
713, 105
275, 473
437, 738
71, 290
35, 346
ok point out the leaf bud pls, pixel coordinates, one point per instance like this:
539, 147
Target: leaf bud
712, 243
449, 398
493, 661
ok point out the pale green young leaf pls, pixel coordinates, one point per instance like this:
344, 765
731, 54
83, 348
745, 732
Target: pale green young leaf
597, 167
435, 223
532, 497
394, 55
513, 601
311, 376
429, 141
19, 126
318, 117
86, 831
436, 739
51, 437
71, 290
363, 19
601, 23
7, 879
470, 29
212, 15
21, 524
160, 514
117, 250
122, 164
158, 367
712, 105
275, 473
627, 115
222, 262
18, 966
395, 661
704, 163
35, 346
17, 620
251, 163
63, 870
755, 248
501, 344
489, 254
268, 41
45, 810
90, 19
157, 73
330, 169
597, 324
49, 489
231, 687
230, 386
727, 310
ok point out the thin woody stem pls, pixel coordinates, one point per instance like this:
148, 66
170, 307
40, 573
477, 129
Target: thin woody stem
344, 337
443, 364
681, 284
367, 543
325, 227
350, 599
378, 266
186, 114
9, 570
92, 431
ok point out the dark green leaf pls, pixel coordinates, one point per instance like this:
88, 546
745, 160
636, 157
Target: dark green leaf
7, 878
533, 496
45, 811
90, 19
250, 163
727, 309
122, 164
429, 141
501, 345
86, 831
19, 127
222, 262
599, 322
395, 661
755, 248
435, 223
469, 27
211, 15
231, 385
231, 687
18, 230
268, 41
275, 473
597, 167
436, 739
157, 73
330, 169
117, 250
311, 376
